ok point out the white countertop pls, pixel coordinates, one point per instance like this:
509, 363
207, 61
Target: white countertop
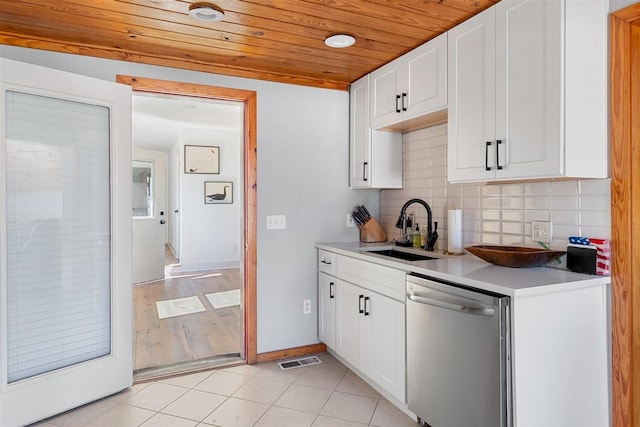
472, 271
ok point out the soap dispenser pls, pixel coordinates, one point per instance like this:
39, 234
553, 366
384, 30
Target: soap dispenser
416, 237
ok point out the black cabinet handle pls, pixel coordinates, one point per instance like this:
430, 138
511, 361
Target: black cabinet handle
498, 142
162, 221
364, 170
360, 310
366, 312
486, 156
397, 103
325, 262
331, 294
404, 104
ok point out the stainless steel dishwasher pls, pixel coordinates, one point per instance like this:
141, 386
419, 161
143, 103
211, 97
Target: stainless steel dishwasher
458, 354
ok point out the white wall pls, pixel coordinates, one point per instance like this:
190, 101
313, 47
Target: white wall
497, 213
620, 4
210, 234
302, 172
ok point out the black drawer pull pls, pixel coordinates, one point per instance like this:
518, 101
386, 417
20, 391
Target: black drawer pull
486, 156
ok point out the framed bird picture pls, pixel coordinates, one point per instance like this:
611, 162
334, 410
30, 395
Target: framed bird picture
201, 159
216, 192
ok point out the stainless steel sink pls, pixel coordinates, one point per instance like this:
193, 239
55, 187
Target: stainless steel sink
407, 256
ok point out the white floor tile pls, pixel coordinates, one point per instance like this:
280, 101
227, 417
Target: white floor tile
303, 398
195, 405
188, 380
351, 383
237, 413
261, 390
387, 415
283, 417
156, 396
122, 416
83, 415
324, 421
164, 420
222, 382
350, 407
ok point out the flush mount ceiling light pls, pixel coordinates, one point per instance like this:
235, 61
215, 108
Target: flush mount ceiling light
205, 12
340, 41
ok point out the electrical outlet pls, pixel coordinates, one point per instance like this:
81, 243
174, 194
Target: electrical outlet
306, 306
350, 221
541, 231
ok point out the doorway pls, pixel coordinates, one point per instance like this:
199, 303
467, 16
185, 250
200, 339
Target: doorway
182, 278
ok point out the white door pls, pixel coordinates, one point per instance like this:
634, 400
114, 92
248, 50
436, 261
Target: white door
65, 241
360, 135
150, 216
529, 88
349, 322
425, 74
471, 97
327, 309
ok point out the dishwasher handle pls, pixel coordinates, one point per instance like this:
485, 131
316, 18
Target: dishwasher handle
478, 311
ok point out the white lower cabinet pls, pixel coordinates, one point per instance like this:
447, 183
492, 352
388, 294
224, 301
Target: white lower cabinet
327, 309
370, 334
366, 328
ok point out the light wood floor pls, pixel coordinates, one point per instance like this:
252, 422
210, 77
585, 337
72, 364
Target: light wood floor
191, 337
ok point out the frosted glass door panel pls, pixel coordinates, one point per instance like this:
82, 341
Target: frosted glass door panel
58, 233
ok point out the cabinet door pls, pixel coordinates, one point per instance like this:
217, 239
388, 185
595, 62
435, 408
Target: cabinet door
528, 88
349, 322
327, 309
385, 336
425, 78
359, 135
386, 94
471, 83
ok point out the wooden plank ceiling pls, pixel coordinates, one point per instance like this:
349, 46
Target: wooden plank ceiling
276, 40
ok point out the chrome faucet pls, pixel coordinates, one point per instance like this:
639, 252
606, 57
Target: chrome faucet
402, 222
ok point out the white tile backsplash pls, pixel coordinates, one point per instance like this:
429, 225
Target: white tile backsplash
493, 213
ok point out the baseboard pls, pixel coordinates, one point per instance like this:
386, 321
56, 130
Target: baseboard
291, 352
204, 266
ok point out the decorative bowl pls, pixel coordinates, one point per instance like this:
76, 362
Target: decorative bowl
514, 256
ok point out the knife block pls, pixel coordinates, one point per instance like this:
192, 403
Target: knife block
372, 232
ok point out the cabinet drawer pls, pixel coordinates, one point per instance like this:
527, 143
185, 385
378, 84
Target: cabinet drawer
327, 262
384, 280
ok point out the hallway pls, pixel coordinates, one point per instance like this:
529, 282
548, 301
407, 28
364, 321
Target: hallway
187, 317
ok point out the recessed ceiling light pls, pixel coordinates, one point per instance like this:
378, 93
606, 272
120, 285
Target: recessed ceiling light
340, 41
205, 12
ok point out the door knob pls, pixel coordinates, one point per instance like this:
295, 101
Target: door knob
162, 221
161, 213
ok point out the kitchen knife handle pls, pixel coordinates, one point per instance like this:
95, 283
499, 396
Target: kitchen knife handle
498, 142
364, 171
404, 104
360, 310
366, 313
486, 156
331, 294
397, 103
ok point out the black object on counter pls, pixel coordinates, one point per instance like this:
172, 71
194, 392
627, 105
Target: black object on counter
434, 236
581, 259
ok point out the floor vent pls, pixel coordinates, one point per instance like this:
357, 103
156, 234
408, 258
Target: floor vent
297, 363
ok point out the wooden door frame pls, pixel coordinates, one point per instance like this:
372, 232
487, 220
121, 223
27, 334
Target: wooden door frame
250, 193
625, 205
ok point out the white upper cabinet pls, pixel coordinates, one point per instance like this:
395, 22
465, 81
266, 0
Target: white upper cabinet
528, 92
411, 86
375, 156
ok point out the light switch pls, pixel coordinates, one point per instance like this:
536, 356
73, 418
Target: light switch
276, 222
